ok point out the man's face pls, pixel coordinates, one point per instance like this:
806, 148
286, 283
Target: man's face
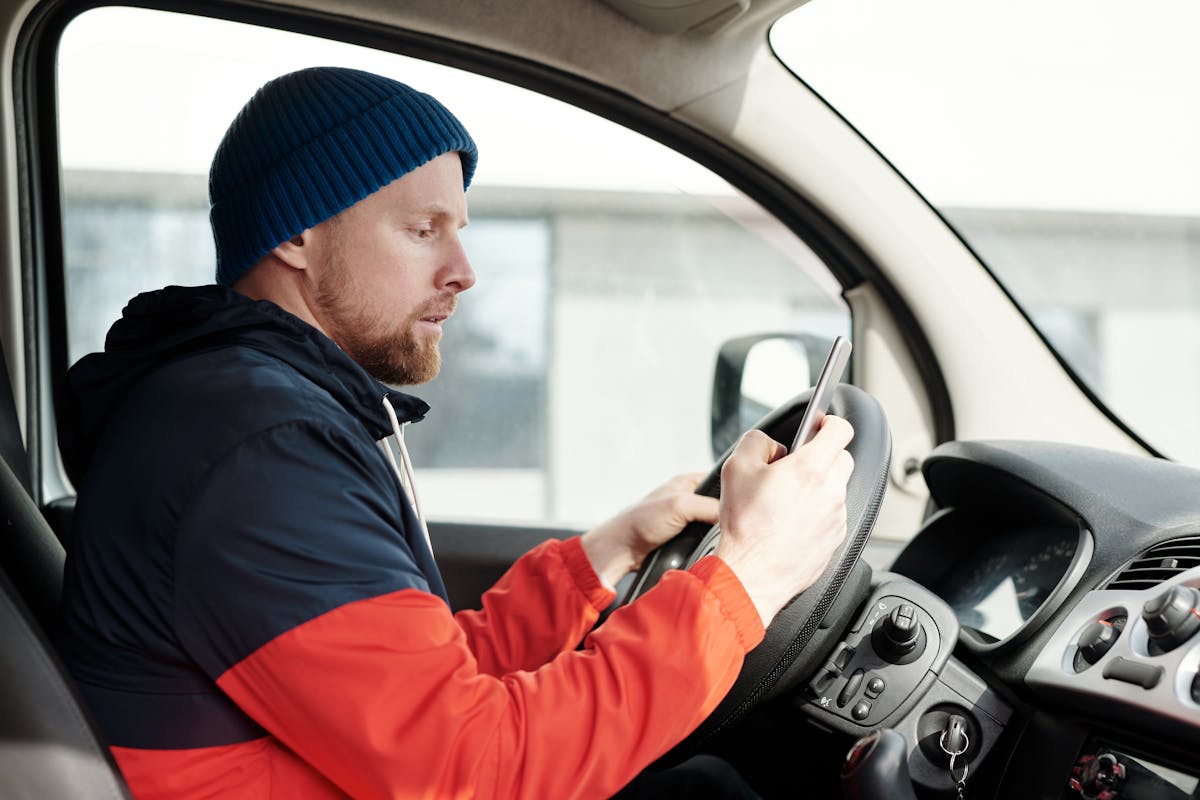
391, 271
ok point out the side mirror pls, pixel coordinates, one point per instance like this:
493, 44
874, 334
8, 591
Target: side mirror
754, 374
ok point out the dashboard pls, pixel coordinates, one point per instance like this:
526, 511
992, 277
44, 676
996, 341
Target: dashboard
1073, 575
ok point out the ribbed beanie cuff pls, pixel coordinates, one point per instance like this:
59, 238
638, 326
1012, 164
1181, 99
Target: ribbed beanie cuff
312, 143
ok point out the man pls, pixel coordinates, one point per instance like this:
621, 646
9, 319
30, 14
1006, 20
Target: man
252, 607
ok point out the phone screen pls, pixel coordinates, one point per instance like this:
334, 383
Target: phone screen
827, 381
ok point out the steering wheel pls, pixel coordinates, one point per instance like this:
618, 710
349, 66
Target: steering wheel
791, 650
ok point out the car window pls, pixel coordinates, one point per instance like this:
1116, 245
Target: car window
1059, 140
577, 373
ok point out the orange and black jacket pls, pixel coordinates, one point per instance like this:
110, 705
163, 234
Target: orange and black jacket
251, 610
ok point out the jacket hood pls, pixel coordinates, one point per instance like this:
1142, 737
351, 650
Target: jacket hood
160, 326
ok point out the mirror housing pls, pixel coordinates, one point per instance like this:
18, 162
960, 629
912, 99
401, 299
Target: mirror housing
756, 373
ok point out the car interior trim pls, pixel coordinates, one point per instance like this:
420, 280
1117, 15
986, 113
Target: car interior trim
1054, 672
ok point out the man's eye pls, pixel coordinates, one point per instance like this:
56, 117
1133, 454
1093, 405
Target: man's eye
423, 233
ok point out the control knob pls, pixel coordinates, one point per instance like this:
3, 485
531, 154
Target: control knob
1172, 617
898, 637
1098, 638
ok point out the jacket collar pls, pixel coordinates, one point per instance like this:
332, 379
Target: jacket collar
161, 326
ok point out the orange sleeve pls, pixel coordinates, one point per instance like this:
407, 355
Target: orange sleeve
544, 604
384, 697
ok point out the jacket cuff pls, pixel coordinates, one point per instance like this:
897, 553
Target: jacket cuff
585, 577
735, 603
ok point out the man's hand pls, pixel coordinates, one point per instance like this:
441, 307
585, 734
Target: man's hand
782, 516
618, 546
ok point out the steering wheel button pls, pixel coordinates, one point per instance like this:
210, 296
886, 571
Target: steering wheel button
875, 687
861, 710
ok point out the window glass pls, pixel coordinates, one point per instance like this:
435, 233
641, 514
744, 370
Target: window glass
1060, 141
576, 373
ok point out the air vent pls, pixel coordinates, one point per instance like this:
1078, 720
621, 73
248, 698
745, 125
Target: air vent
1159, 563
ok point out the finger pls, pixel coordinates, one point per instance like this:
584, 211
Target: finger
842, 469
687, 482
831, 438
756, 447
697, 507
680, 484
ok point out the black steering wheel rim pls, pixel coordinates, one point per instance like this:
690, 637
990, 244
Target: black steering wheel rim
782, 660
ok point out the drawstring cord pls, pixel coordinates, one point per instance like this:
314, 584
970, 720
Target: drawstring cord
404, 470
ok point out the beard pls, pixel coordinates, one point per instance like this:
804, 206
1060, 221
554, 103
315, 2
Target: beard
390, 350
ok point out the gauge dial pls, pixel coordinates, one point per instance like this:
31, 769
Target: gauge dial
995, 588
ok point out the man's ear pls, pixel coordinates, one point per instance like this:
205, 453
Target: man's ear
296, 252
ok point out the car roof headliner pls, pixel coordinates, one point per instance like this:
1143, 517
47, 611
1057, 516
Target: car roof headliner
586, 38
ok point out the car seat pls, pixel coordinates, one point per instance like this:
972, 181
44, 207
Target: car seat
49, 747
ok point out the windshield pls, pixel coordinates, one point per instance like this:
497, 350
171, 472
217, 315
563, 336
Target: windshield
1060, 140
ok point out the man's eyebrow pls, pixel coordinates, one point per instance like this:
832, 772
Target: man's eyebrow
440, 211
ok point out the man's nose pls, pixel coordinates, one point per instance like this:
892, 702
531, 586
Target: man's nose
457, 275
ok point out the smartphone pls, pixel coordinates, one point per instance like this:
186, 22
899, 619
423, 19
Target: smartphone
827, 381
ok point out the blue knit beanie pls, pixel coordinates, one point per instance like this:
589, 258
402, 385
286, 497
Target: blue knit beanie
313, 143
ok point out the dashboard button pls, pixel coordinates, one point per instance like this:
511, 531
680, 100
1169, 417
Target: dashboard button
1096, 640
841, 656
822, 681
861, 709
1144, 675
832, 669
1172, 617
850, 689
876, 685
